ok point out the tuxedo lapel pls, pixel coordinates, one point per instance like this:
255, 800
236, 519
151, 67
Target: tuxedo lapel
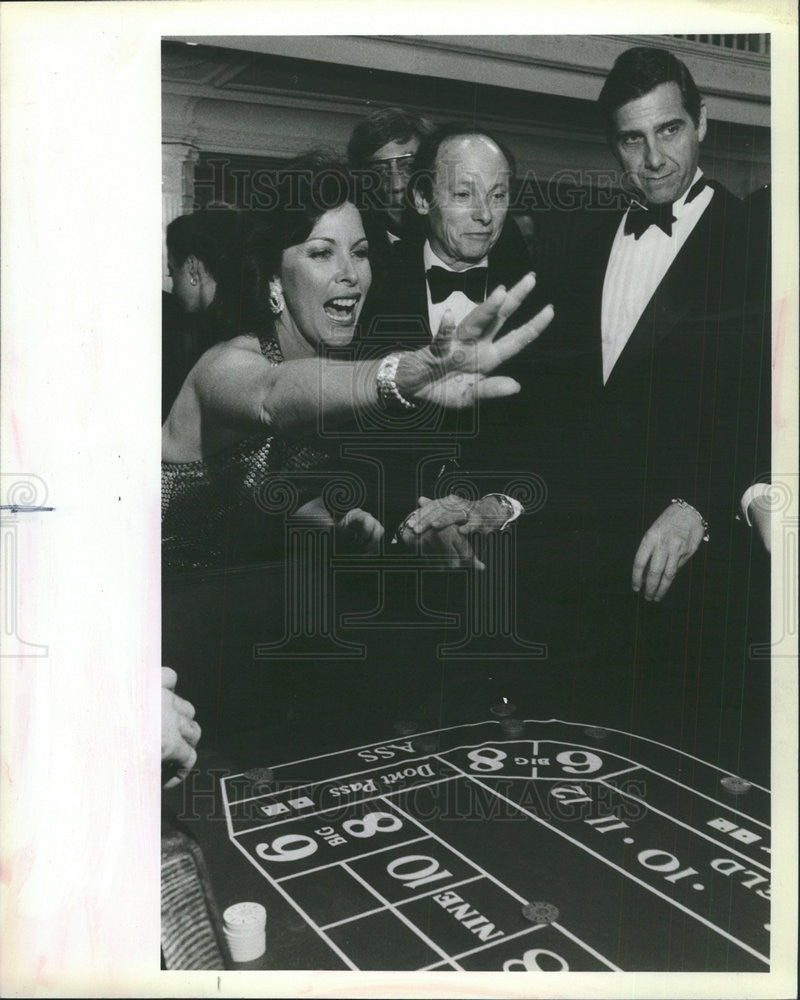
579, 306
396, 310
406, 289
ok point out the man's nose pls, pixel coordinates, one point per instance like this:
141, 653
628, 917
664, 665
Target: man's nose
653, 154
481, 210
397, 181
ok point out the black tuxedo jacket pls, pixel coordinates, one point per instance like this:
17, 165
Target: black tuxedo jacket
678, 416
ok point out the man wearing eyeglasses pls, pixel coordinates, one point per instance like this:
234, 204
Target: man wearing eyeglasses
385, 144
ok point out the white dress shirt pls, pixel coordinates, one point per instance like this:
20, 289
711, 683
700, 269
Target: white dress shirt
636, 269
456, 302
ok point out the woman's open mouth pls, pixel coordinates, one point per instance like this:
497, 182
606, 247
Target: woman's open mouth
342, 309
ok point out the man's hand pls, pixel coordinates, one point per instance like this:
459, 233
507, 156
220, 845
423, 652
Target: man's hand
435, 527
362, 529
472, 517
179, 732
669, 543
453, 371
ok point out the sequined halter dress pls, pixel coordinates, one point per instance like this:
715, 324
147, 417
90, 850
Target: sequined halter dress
218, 510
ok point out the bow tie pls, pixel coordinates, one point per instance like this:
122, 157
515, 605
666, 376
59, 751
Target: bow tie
443, 283
640, 217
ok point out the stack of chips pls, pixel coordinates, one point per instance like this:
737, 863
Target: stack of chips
245, 928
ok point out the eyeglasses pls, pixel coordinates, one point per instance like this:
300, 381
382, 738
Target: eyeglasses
404, 165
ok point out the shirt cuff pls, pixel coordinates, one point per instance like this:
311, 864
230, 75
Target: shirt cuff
750, 494
514, 507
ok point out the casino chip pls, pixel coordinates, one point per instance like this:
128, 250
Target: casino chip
244, 927
259, 774
736, 785
540, 913
596, 732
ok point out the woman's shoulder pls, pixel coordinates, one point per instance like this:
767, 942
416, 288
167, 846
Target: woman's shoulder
228, 355
248, 342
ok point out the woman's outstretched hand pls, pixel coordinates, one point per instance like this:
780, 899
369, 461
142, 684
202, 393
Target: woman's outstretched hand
454, 371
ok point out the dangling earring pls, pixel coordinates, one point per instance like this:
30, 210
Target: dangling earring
192, 281
276, 302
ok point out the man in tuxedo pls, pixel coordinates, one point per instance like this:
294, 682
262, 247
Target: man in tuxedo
643, 414
464, 247
658, 335
460, 191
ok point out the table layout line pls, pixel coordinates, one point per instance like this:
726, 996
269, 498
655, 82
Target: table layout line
402, 917
373, 743
701, 833
752, 951
357, 916
646, 739
432, 892
587, 947
585, 776
404, 902
709, 798
342, 807
616, 774
496, 722
455, 851
306, 785
484, 947
227, 807
599, 751
292, 902
355, 857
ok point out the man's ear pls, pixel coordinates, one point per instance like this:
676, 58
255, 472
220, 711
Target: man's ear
421, 203
702, 123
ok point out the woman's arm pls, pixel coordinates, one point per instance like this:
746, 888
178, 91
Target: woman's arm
242, 390
238, 389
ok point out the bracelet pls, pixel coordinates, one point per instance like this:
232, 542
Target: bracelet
388, 393
687, 506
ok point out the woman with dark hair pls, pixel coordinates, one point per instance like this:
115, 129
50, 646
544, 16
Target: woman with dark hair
250, 406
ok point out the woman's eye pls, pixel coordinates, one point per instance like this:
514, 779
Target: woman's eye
320, 254
361, 253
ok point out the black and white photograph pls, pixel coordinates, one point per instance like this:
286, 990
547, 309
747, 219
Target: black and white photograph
468, 624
